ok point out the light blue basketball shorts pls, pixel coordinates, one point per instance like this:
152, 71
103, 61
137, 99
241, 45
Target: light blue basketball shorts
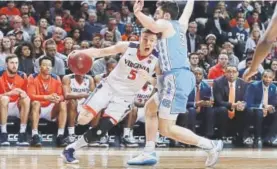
174, 88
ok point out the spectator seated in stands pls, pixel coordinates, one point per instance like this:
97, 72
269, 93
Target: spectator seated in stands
57, 37
219, 69
13, 100
200, 106
261, 99
17, 26
233, 60
238, 37
25, 53
58, 24
47, 101
193, 40
58, 67
230, 110
76, 89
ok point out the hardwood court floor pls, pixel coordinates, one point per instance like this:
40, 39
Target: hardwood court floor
96, 158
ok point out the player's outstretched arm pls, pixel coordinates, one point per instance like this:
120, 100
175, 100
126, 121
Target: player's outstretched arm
184, 19
158, 26
120, 47
265, 43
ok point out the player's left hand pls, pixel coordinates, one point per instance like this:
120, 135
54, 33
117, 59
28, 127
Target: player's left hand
138, 6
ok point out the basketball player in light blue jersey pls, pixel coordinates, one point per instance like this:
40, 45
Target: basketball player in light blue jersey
176, 83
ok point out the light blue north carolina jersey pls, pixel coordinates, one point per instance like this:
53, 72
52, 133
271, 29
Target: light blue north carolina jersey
173, 50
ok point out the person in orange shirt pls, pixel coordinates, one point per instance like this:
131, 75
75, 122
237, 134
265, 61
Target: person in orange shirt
219, 69
13, 99
47, 101
10, 10
128, 31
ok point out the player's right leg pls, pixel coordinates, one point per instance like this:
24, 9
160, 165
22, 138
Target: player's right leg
129, 122
24, 104
91, 107
148, 157
35, 115
4, 102
71, 119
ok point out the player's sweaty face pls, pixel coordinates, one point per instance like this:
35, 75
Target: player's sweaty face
12, 65
46, 67
147, 43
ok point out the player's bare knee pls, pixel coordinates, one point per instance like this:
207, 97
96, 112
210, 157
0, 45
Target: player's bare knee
62, 106
35, 105
4, 100
84, 117
26, 101
72, 103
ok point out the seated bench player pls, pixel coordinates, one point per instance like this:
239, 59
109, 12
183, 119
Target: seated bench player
47, 101
76, 89
13, 99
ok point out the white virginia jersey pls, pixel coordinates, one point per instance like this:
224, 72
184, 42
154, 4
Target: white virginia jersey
143, 95
76, 87
124, 79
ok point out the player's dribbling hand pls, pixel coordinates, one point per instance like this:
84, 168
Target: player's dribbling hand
248, 74
138, 6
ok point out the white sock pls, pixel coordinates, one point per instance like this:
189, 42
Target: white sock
60, 132
126, 132
131, 133
81, 142
4, 128
34, 132
205, 143
157, 136
149, 146
23, 128
71, 130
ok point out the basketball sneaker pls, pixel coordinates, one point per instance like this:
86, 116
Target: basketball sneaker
60, 141
104, 141
70, 138
22, 140
4, 139
129, 141
69, 156
36, 140
213, 153
94, 144
144, 159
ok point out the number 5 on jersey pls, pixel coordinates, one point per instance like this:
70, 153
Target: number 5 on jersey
133, 74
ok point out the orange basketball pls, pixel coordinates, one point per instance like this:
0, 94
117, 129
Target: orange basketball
80, 63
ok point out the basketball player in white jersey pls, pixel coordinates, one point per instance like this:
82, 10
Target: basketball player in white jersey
263, 47
118, 90
175, 83
76, 88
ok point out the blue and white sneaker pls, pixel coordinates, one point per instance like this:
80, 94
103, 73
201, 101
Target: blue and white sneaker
144, 159
213, 154
69, 157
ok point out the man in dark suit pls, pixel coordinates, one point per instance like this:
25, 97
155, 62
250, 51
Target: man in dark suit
261, 99
193, 40
200, 105
229, 106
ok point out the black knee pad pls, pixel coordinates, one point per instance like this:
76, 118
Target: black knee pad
94, 134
